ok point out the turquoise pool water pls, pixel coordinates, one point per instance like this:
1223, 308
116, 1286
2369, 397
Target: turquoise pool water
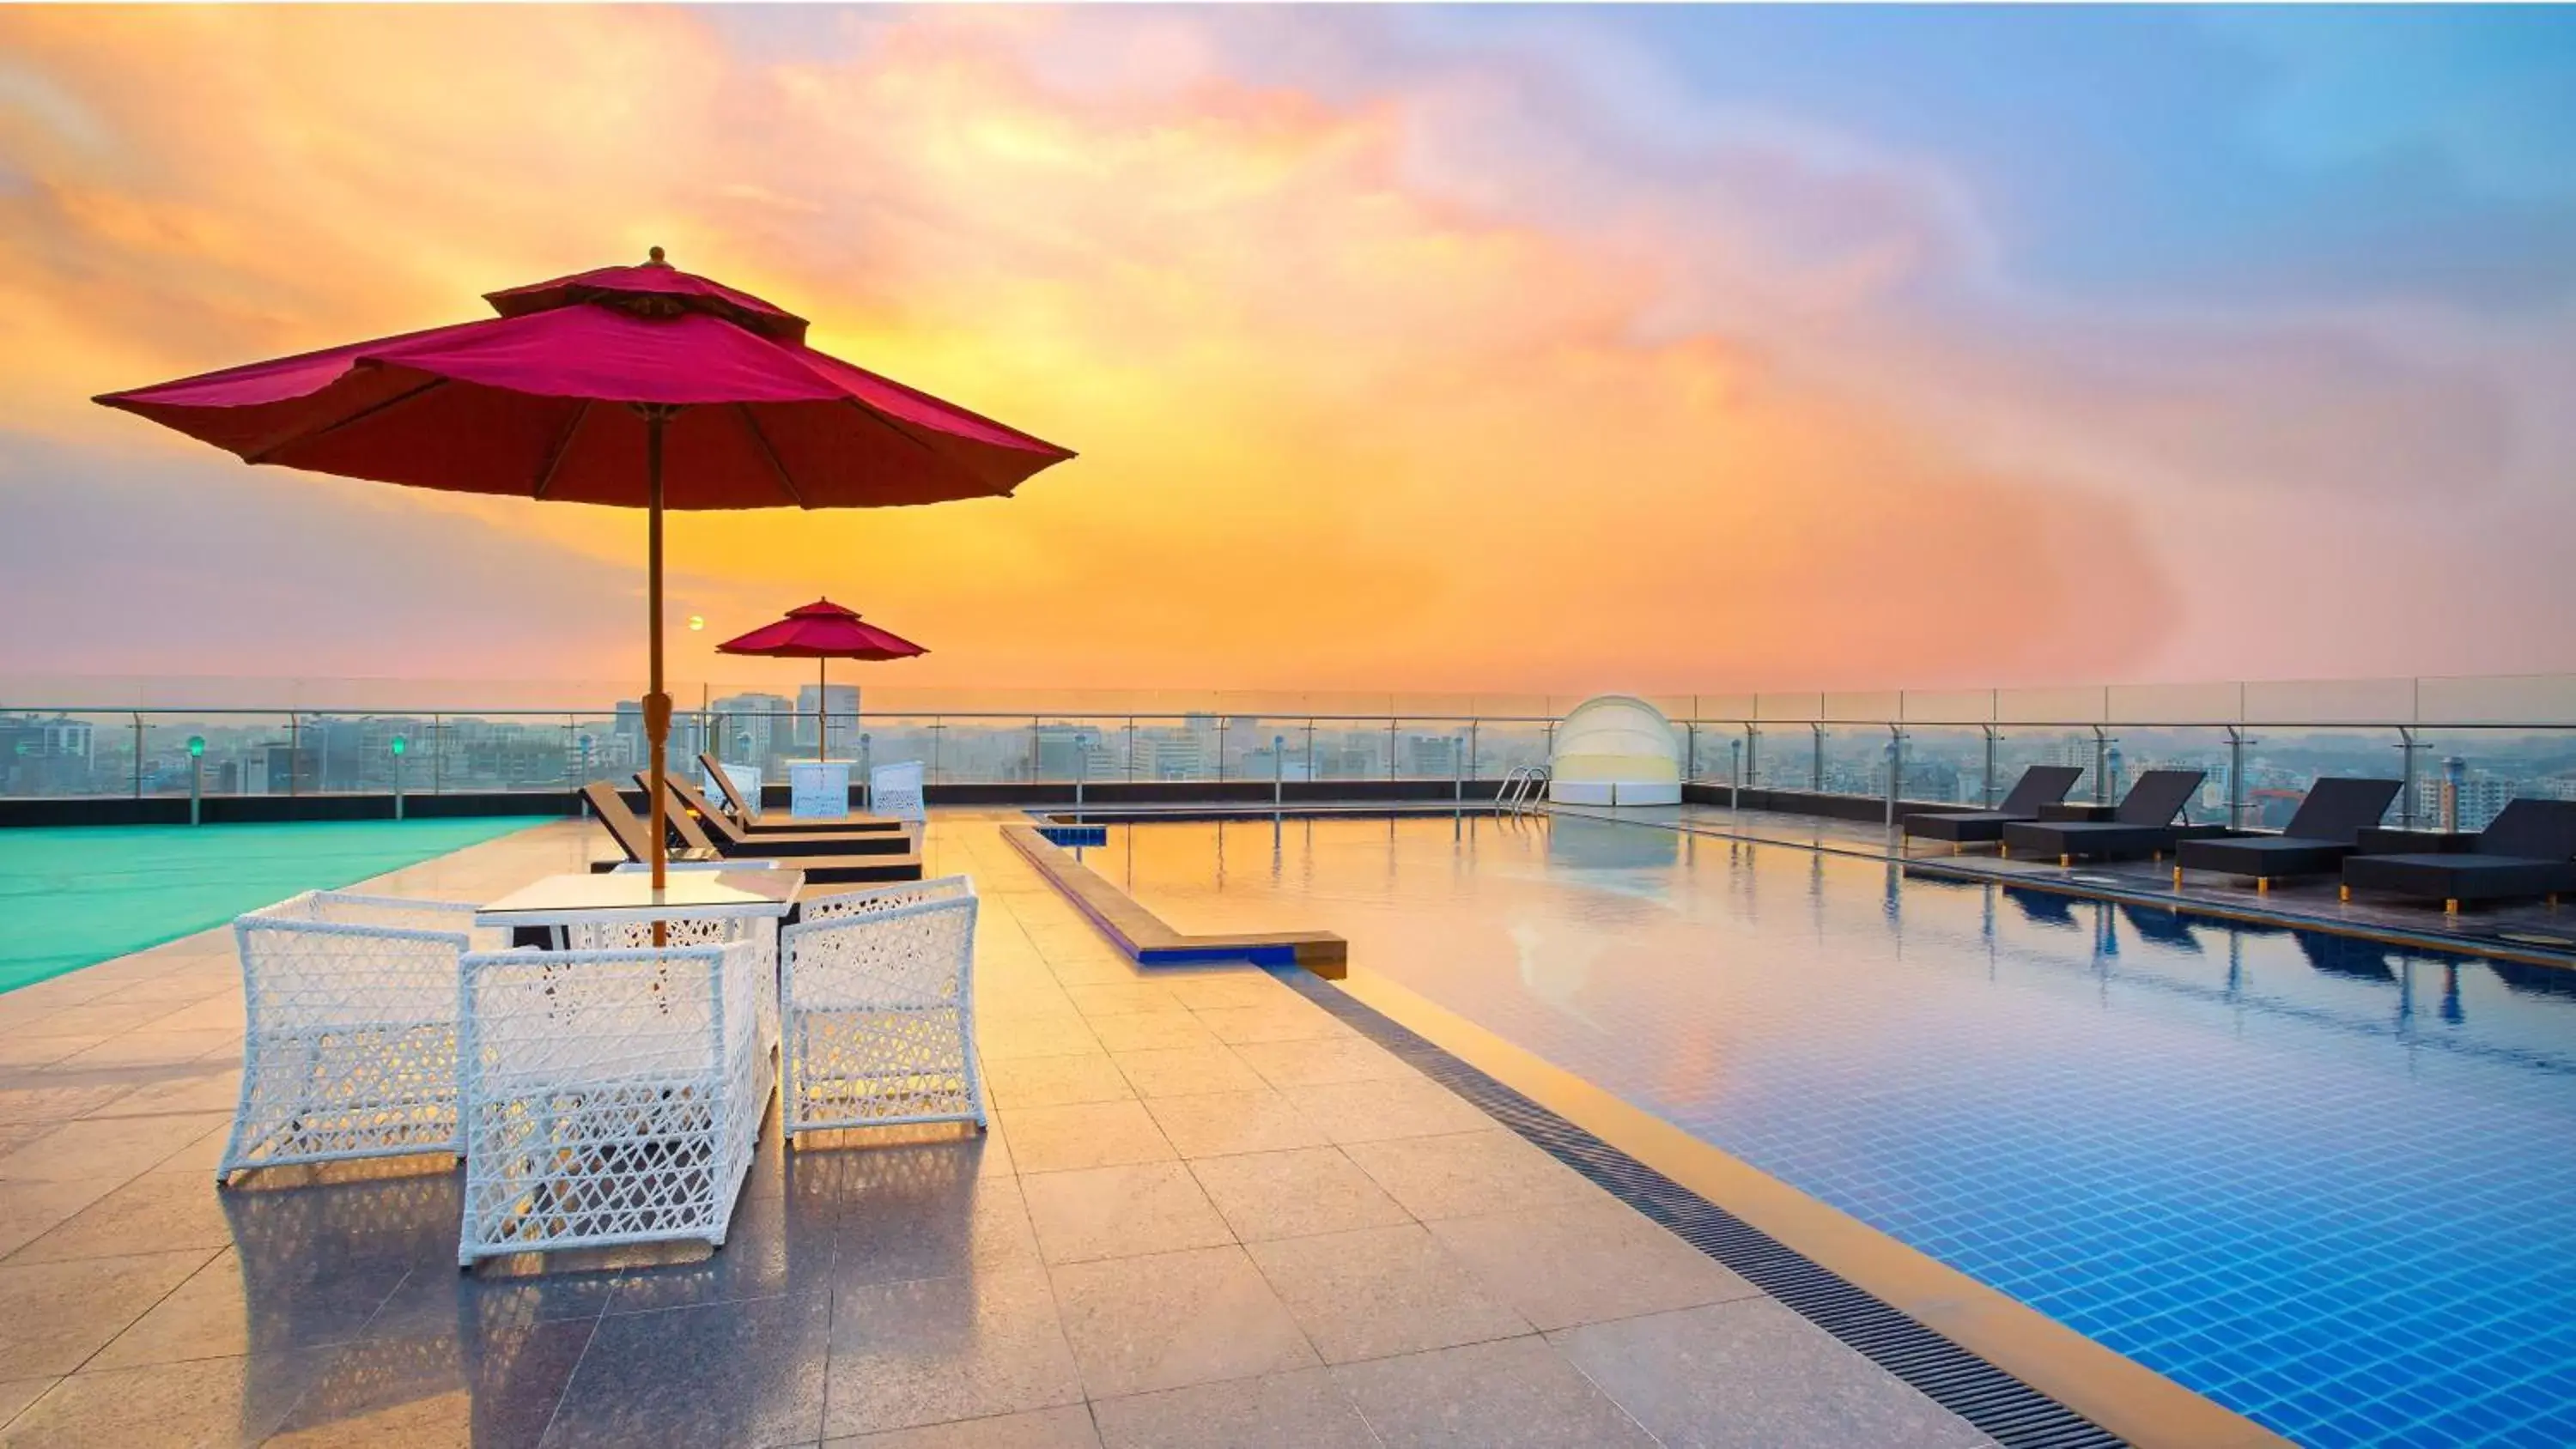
76, 896
2329, 1184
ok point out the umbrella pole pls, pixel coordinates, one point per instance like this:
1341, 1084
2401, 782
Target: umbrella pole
657, 705
822, 708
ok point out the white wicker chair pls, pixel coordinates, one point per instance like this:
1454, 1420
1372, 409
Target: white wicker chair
896, 790
608, 1096
878, 1009
349, 1039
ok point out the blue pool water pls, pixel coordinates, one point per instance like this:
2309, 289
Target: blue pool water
2329, 1184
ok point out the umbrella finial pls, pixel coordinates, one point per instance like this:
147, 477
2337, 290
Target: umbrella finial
654, 258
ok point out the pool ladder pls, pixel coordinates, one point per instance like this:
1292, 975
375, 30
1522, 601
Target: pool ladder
1522, 791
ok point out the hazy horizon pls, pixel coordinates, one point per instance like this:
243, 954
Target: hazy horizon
1406, 349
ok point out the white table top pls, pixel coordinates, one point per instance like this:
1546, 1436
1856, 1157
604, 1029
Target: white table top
558, 899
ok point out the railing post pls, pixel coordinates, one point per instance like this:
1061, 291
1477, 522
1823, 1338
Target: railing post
2236, 800
294, 751
437, 754
2455, 773
1735, 774
1390, 750
1690, 756
138, 755
2406, 790
1457, 773
1472, 741
1752, 754
1895, 769
1987, 790
1220, 749
2101, 766
1081, 771
1278, 774
1816, 781
936, 730
1037, 765
1131, 747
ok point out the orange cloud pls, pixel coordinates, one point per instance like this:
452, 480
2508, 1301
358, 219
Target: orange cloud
1339, 428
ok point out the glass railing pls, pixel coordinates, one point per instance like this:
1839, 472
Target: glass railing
2464, 746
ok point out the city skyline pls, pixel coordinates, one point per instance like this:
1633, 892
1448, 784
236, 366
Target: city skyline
1406, 349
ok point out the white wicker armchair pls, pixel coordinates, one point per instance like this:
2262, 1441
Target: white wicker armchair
609, 1096
896, 790
349, 1039
878, 1009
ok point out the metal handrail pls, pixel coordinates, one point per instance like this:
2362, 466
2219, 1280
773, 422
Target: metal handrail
1519, 788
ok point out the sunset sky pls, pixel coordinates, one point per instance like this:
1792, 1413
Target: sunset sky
1665, 349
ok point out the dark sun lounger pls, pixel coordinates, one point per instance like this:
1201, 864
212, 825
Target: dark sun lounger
2039, 785
874, 835
2529, 850
631, 831
2315, 842
2143, 825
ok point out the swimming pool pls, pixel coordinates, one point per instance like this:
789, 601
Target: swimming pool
79, 895
2328, 1184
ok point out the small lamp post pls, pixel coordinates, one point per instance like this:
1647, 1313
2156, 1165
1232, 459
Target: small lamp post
400, 747
196, 777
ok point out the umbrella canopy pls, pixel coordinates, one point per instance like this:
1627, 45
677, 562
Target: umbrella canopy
821, 631
581, 390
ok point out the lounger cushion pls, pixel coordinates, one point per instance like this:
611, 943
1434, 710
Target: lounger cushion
2267, 856
2459, 877
2099, 839
1960, 824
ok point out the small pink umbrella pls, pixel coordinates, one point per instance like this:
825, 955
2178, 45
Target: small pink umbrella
821, 631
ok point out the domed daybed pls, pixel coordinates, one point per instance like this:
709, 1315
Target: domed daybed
1615, 749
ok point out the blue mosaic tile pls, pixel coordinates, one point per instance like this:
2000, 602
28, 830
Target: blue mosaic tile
2328, 1184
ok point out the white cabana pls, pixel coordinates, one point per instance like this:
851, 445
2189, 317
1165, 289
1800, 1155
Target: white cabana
1615, 749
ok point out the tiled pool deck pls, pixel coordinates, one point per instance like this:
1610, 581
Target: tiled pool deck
1208, 1213
2514, 929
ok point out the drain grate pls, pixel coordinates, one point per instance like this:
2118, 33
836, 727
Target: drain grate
2006, 1409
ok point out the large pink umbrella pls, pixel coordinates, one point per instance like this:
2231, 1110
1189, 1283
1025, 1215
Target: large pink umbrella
821, 631
578, 391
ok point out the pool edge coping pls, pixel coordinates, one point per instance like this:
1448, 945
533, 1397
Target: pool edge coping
2125, 1397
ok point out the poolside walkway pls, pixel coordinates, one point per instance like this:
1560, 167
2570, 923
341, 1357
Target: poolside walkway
1207, 1214
2516, 930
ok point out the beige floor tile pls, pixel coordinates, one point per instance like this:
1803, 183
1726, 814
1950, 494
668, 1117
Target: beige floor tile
999, 1038
170, 1406
1068, 1427
18, 1051
1287, 1064
1294, 1193
1055, 1081
1518, 1393
1234, 1025
156, 1212
933, 1350
1222, 990
1165, 1322
1122, 998
1152, 1031
1121, 1212
53, 1316
1088, 1134
29, 1210
1752, 1374
107, 1146
1586, 1263
1218, 1123
16, 1394
1413, 1106
1299, 1410
1469, 1173
1376, 1292
1186, 1071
